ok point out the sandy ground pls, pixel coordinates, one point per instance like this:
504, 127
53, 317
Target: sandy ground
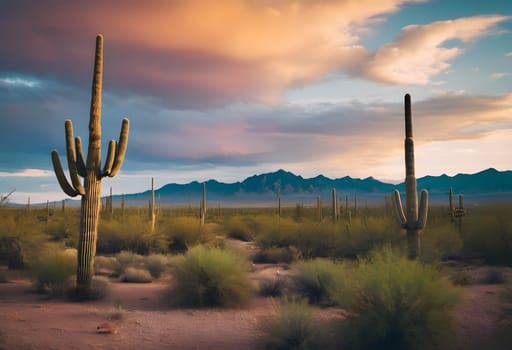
32, 321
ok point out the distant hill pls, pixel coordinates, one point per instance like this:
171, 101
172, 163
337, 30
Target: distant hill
485, 186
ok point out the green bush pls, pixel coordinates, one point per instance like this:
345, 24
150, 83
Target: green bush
156, 264
129, 259
131, 234
51, 271
11, 252
319, 279
487, 234
210, 277
238, 228
181, 233
365, 234
291, 327
440, 242
315, 240
397, 304
276, 232
109, 266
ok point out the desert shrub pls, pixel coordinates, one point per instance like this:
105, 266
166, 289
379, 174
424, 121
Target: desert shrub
210, 277
11, 252
441, 241
51, 271
365, 234
292, 326
60, 231
238, 228
487, 233
272, 286
107, 265
275, 255
129, 259
276, 232
318, 279
493, 276
397, 304
156, 264
181, 233
131, 234
317, 240
136, 275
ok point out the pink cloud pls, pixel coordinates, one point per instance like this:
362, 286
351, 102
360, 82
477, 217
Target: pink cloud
192, 51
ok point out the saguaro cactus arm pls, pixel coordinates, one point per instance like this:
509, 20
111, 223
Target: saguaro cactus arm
61, 177
121, 148
111, 154
80, 159
71, 155
399, 209
423, 210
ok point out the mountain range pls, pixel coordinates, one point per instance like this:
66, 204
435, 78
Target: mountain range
489, 185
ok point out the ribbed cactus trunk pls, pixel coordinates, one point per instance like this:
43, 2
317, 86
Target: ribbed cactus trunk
89, 219
413, 220
91, 171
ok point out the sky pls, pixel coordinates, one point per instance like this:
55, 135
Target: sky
227, 89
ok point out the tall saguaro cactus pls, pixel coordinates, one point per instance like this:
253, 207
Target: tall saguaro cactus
91, 171
414, 219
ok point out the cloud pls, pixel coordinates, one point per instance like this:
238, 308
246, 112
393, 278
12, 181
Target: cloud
191, 52
499, 75
356, 133
508, 54
18, 82
27, 173
420, 52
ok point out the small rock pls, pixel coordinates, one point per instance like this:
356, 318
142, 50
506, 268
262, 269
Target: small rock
106, 328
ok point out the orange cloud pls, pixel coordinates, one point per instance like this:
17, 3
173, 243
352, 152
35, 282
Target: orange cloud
213, 51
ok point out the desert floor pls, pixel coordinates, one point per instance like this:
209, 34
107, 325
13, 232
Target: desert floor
33, 321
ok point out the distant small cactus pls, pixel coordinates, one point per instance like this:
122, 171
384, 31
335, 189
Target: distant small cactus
202, 212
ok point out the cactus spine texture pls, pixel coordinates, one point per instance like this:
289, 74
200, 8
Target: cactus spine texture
91, 171
414, 219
